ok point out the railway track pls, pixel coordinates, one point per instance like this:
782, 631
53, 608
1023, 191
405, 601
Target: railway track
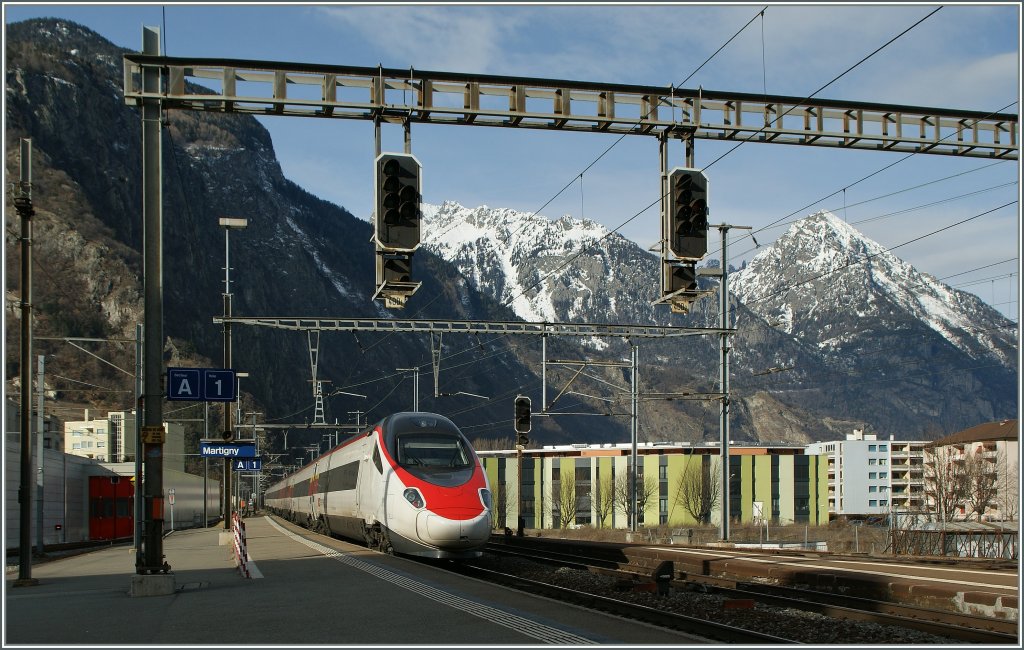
610, 561
688, 624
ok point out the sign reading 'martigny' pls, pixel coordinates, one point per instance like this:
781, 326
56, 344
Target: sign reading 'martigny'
227, 449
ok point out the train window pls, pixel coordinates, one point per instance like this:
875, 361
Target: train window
376, 459
426, 450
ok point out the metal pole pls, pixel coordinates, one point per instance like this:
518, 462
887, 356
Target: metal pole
152, 217
206, 462
416, 389
723, 380
40, 496
543, 373
633, 436
226, 473
23, 204
137, 498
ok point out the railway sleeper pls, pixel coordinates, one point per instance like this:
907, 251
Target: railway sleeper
640, 578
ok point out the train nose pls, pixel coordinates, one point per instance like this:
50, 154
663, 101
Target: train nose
435, 528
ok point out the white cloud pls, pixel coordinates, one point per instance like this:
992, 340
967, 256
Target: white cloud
457, 39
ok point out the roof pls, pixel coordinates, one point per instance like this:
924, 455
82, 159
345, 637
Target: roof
998, 430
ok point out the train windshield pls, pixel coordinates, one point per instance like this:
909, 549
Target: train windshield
432, 450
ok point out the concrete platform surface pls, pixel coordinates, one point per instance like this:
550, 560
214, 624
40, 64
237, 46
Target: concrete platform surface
306, 590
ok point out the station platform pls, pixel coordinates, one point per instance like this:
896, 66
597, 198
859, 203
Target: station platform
303, 589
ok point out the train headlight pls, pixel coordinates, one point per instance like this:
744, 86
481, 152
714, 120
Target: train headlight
485, 498
413, 496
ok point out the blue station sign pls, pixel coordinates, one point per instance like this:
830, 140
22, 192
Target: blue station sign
227, 449
201, 384
247, 465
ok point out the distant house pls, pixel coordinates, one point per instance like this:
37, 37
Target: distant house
975, 473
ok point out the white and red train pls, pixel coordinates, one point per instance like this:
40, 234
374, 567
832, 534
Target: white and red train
412, 485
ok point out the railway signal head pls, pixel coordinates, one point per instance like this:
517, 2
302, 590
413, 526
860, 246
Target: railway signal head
397, 213
688, 213
227, 435
522, 415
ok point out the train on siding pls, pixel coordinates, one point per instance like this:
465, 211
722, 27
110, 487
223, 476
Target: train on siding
411, 484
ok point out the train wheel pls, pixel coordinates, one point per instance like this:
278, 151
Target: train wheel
385, 544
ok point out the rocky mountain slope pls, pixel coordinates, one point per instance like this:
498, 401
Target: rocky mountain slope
815, 377
832, 329
299, 256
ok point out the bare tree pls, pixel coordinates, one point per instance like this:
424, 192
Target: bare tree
603, 499
697, 491
945, 481
568, 502
646, 487
503, 496
981, 480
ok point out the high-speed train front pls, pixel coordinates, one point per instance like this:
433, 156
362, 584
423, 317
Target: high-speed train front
435, 499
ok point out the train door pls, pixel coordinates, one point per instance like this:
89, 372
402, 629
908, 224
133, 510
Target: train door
110, 507
368, 494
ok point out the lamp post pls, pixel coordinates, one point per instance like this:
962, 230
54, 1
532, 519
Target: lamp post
228, 224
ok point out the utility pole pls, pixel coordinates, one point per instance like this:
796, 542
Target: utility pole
23, 204
228, 224
415, 386
40, 424
357, 414
139, 517
633, 436
723, 377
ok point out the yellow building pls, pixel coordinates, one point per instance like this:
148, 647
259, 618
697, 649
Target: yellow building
678, 484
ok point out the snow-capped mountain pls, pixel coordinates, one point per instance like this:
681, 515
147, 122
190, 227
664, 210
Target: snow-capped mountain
596, 276
830, 286
863, 336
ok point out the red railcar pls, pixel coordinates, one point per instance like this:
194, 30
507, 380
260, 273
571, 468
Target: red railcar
110, 507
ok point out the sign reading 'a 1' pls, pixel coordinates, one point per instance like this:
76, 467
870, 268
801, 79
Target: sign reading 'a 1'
201, 384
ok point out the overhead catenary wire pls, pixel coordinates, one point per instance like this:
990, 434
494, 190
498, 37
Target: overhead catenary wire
657, 201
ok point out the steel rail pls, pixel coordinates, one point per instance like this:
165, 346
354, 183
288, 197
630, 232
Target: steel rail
688, 624
963, 627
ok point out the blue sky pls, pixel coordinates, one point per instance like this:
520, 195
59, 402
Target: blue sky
963, 57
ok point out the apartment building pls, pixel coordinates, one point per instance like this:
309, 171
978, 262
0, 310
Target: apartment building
988, 458
111, 439
868, 476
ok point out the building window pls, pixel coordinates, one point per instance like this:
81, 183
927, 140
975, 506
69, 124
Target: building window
883, 475
872, 488
872, 461
872, 503
882, 461
883, 502
872, 447
872, 474
76, 445
101, 444
883, 447
662, 472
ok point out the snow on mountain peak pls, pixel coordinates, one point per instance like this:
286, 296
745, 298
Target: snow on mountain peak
544, 269
823, 269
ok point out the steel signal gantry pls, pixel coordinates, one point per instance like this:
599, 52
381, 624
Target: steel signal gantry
430, 97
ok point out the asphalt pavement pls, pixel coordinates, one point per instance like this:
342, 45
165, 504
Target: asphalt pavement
302, 589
